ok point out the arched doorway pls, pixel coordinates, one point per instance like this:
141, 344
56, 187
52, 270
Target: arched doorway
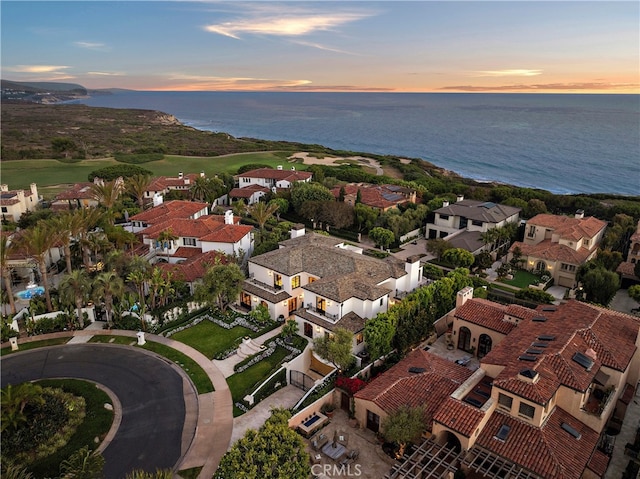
453, 442
541, 267
484, 345
464, 338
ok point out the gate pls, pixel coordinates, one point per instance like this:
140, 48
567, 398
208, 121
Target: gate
301, 380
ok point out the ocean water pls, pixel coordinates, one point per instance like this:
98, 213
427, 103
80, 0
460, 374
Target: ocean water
561, 143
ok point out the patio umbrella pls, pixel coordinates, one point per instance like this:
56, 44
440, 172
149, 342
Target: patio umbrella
335, 438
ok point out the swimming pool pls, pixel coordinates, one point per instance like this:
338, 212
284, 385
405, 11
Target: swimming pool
30, 293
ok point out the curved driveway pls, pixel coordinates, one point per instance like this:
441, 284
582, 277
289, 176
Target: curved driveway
149, 389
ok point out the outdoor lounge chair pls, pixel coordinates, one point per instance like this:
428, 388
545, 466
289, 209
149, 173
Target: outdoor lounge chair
351, 456
319, 441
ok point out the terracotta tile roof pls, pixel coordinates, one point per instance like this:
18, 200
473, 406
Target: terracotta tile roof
77, 191
484, 211
162, 183
398, 387
9, 201
459, 416
278, 175
270, 296
627, 394
599, 462
169, 210
549, 251
210, 228
376, 196
187, 252
568, 227
575, 327
549, 451
195, 266
342, 274
248, 191
492, 315
626, 268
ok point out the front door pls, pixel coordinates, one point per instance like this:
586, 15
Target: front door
373, 421
345, 402
293, 304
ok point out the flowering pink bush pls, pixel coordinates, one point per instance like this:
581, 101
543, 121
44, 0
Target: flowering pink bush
351, 386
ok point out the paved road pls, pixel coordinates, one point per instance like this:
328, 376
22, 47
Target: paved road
150, 391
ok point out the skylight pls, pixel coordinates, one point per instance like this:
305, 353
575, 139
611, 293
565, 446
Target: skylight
571, 430
539, 345
539, 319
584, 361
534, 351
546, 337
526, 357
503, 433
416, 370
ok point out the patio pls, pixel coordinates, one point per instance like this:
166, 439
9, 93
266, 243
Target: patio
332, 461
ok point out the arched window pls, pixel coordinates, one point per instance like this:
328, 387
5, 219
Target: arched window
464, 339
541, 267
484, 345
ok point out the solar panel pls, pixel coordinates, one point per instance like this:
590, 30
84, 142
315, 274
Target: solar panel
527, 357
539, 319
416, 370
582, 360
571, 430
503, 433
488, 204
546, 337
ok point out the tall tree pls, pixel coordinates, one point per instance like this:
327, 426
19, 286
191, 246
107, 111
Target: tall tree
382, 237
378, 334
221, 285
35, 243
137, 186
5, 249
600, 285
282, 204
404, 425
74, 288
107, 195
108, 286
458, 257
336, 348
262, 212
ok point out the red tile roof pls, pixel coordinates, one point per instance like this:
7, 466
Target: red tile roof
549, 451
459, 416
553, 252
209, 228
398, 387
168, 210
77, 191
575, 327
195, 267
162, 183
568, 227
247, 191
599, 462
627, 394
376, 196
278, 175
492, 315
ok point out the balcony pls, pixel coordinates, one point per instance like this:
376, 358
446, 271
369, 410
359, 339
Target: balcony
321, 312
265, 286
598, 401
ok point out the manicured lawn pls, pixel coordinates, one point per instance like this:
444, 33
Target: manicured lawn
97, 423
20, 173
241, 383
35, 344
521, 279
209, 338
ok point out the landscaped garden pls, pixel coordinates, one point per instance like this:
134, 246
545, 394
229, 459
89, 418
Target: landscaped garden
211, 339
522, 279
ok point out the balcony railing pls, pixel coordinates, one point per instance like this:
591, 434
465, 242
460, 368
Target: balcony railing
321, 312
268, 287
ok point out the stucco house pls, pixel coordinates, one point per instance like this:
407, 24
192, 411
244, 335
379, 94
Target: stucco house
163, 184
558, 245
324, 284
542, 401
627, 268
380, 197
249, 194
164, 211
13, 203
463, 222
272, 178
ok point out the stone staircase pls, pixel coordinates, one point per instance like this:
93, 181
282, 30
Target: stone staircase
248, 347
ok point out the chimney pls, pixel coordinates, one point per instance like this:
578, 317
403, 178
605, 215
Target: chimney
4, 187
297, 230
228, 217
202, 174
445, 203
579, 214
34, 190
280, 167
463, 296
180, 175
157, 199
459, 198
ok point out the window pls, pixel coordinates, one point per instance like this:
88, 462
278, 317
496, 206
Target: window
505, 401
359, 338
308, 330
476, 223
311, 279
277, 281
189, 241
532, 231
295, 282
586, 242
381, 301
527, 410
567, 267
444, 217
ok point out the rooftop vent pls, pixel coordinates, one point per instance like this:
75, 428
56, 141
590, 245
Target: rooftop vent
546, 337
503, 433
571, 430
584, 361
416, 370
527, 357
538, 319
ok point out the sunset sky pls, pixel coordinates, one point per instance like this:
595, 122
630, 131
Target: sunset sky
427, 46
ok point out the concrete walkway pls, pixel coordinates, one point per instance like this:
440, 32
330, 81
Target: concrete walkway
225, 366
631, 423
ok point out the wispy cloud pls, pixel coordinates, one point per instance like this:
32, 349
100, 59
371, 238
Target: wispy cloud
36, 68
577, 86
106, 74
180, 81
323, 47
265, 21
507, 73
91, 45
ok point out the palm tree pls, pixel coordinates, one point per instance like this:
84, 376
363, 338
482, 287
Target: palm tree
137, 186
75, 287
201, 189
139, 278
68, 225
166, 239
107, 286
5, 249
96, 242
107, 195
262, 212
35, 243
87, 219
156, 282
